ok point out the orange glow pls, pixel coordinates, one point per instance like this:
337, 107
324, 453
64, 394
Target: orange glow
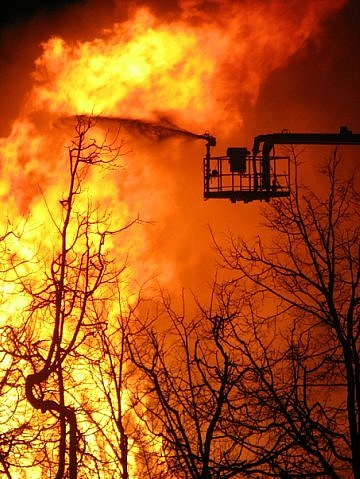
196, 69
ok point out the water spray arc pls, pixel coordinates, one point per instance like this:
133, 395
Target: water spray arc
158, 130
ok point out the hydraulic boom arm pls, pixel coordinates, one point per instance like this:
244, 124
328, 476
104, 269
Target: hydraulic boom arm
344, 137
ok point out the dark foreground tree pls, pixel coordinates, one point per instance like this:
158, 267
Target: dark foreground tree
67, 289
12, 431
262, 383
265, 382
306, 275
196, 393
119, 433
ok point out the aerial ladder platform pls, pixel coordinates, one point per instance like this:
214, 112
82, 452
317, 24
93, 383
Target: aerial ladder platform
244, 175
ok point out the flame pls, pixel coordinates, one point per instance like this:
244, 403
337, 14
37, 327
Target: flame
135, 67
196, 70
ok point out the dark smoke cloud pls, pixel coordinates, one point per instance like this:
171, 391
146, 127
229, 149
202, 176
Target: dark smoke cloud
318, 88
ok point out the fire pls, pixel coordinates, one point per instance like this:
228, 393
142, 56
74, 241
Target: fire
195, 69
139, 66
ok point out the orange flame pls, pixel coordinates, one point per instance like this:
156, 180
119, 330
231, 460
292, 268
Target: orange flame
197, 70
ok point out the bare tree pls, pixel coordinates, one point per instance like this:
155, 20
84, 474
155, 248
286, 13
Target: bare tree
306, 274
69, 349
112, 417
15, 429
263, 382
64, 300
195, 394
